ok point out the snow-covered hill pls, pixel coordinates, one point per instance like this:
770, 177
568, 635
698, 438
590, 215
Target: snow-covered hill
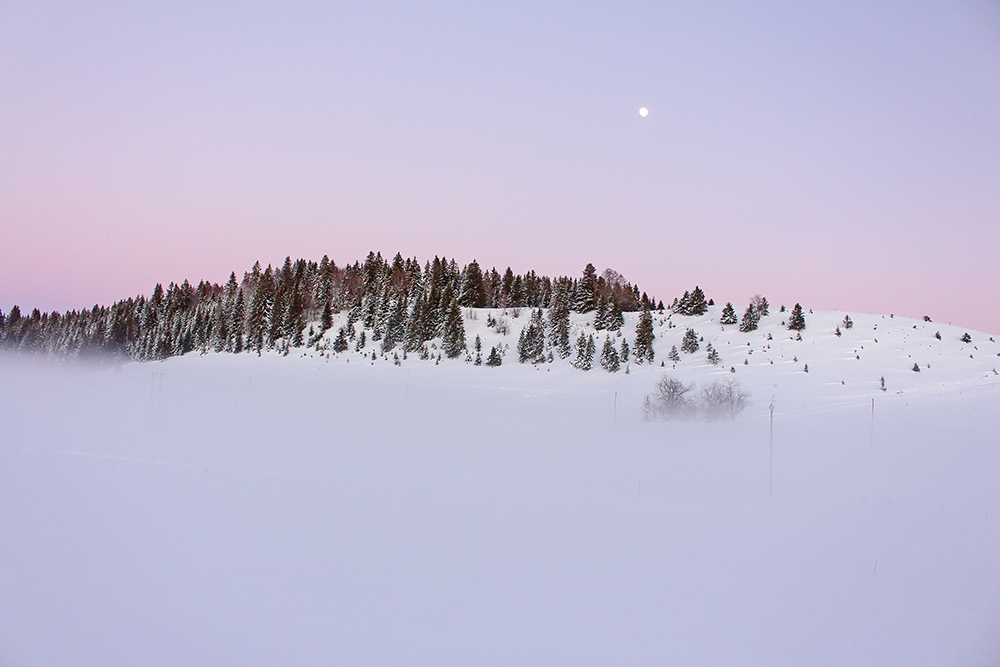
772, 361
332, 509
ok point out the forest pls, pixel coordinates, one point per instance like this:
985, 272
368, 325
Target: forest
397, 302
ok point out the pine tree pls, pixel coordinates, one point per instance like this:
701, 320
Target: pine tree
609, 357
644, 337
848, 323
585, 349
713, 355
601, 317
479, 351
797, 321
586, 291
697, 305
326, 320
473, 288
559, 319
624, 353
615, 317
236, 324
728, 315
690, 342
531, 343
750, 319
495, 358
453, 341
340, 342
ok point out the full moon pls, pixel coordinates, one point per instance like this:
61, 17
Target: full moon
643, 111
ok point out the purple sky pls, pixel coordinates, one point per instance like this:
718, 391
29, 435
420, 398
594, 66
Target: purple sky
845, 155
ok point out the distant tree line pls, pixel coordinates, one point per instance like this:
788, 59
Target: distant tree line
397, 302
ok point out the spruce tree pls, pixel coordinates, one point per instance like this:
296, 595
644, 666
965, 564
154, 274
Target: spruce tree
697, 304
690, 344
236, 324
495, 358
473, 288
728, 315
453, 341
624, 353
586, 291
615, 318
797, 321
531, 343
559, 319
340, 342
750, 319
609, 356
585, 349
713, 355
674, 355
644, 337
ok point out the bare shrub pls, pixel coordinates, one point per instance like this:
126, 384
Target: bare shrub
722, 400
718, 400
669, 400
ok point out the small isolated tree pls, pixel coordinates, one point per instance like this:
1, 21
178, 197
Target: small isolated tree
479, 351
674, 355
495, 358
937, 334
966, 338
728, 315
847, 323
609, 357
797, 320
916, 367
690, 344
837, 332
713, 355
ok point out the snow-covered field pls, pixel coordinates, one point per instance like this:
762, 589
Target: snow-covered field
312, 510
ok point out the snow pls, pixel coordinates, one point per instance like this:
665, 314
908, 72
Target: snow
305, 510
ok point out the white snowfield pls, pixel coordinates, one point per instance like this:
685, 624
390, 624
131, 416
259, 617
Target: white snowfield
309, 509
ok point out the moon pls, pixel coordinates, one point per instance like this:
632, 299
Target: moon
643, 111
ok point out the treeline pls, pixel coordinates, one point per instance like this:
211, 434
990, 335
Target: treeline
398, 302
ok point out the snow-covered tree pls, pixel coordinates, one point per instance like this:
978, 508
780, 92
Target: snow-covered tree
609, 356
750, 319
644, 337
797, 320
689, 344
728, 315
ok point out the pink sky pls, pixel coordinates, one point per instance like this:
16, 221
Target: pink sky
844, 157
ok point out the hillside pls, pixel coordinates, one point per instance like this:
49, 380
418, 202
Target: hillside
298, 505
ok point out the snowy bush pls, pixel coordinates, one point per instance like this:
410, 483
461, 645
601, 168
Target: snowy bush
718, 400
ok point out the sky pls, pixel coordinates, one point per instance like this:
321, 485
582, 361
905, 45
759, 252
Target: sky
842, 155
